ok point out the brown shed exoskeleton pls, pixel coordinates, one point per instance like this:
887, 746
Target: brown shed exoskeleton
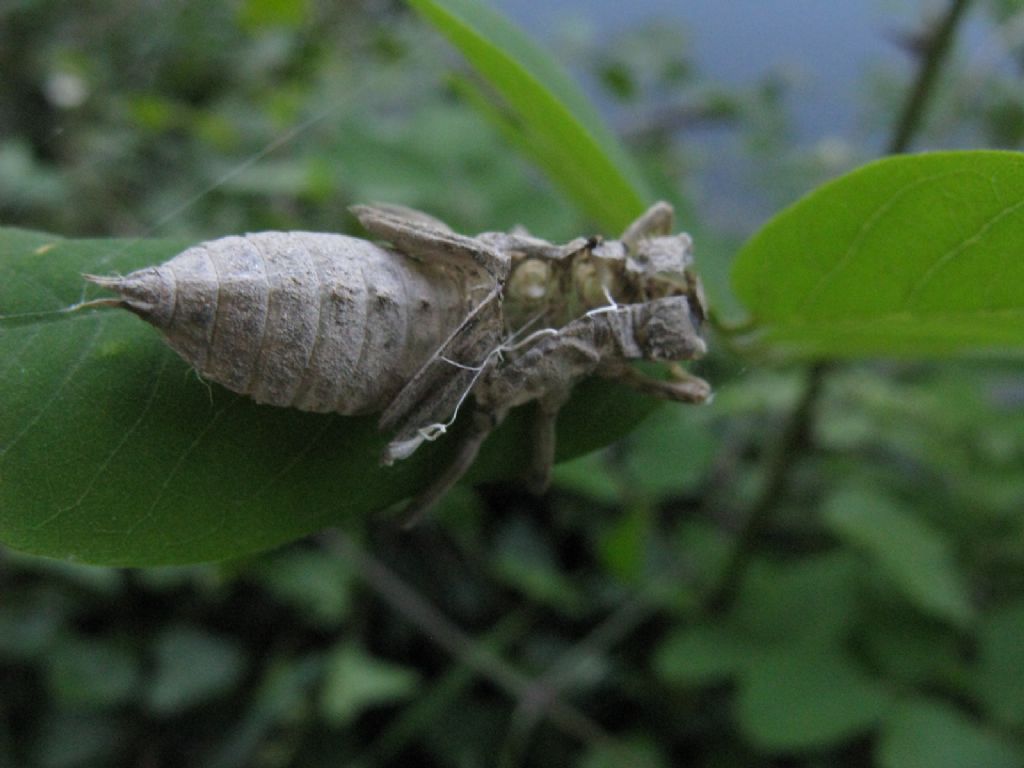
415, 325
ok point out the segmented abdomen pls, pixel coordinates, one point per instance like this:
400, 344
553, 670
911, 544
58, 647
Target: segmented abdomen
319, 322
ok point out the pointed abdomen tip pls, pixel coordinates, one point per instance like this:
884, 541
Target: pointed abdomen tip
148, 292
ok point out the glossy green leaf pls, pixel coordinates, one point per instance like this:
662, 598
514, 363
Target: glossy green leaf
112, 451
909, 256
544, 112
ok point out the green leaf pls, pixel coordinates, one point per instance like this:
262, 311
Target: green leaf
254, 15
31, 620
315, 582
635, 752
932, 734
284, 690
526, 562
707, 548
911, 650
915, 557
111, 451
78, 740
701, 655
92, 673
625, 545
669, 454
908, 256
590, 476
355, 682
191, 667
1001, 664
806, 697
811, 599
546, 114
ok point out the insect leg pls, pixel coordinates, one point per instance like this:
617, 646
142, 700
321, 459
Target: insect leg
434, 393
483, 424
531, 247
417, 236
396, 211
544, 441
658, 220
683, 387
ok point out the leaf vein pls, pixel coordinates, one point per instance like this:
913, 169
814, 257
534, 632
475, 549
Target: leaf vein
173, 471
952, 253
862, 233
65, 380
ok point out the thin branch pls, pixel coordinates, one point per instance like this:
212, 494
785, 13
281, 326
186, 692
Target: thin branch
936, 49
796, 431
443, 633
421, 715
549, 686
791, 443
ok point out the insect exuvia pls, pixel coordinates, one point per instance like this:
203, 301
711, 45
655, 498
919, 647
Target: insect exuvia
428, 322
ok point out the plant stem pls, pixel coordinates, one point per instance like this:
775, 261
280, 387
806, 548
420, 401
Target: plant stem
792, 442
548, 686
936, 49
472, 654
796, 431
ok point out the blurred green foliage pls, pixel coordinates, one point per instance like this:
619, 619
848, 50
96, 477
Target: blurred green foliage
877, 622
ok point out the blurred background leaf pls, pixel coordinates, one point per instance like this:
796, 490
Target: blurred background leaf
553, 121
575, 629
924, 732
354, 682
191, 666
915, 559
